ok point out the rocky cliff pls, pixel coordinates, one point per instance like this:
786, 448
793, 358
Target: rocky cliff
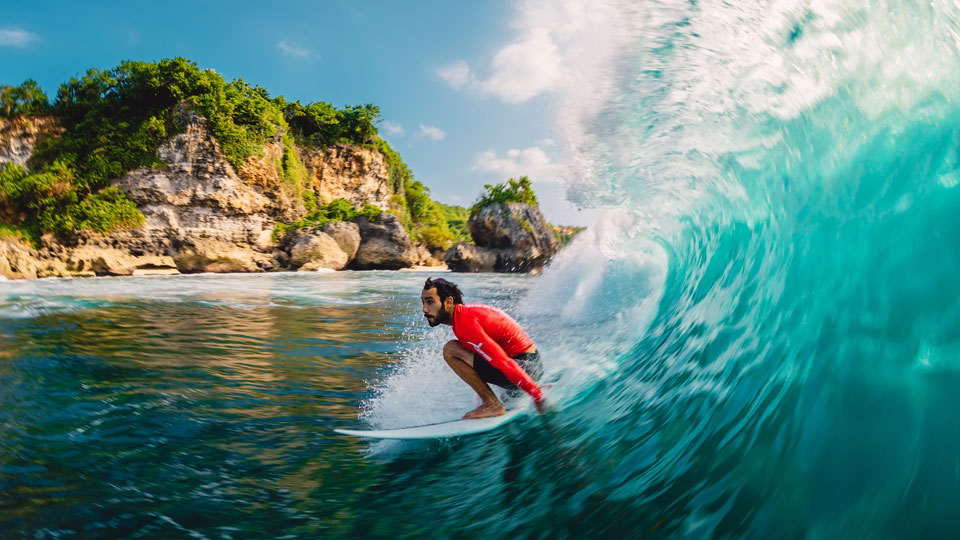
354, 173
202, 215
206, 215
19, 136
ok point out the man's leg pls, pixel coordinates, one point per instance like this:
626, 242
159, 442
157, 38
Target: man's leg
460, 359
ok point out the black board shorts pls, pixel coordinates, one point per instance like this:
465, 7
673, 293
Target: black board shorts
529, 362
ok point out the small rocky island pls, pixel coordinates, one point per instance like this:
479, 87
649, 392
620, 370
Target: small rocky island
509, 233
188, 184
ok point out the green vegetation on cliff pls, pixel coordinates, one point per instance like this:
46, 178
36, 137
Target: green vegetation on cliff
113, 121
457, 217
48, 202
511, 191
566, 234
429, 224
323, 124
337, 210
24, 100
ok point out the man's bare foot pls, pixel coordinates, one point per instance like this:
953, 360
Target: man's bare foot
485, 410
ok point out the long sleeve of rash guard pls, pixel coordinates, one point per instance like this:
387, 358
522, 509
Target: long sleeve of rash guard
471, 333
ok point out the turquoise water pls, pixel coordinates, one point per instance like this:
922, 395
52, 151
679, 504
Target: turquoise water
760, 338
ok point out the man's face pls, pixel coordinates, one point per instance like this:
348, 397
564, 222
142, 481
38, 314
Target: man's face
433, 309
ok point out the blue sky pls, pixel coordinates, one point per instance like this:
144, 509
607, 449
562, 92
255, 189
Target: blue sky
464, 88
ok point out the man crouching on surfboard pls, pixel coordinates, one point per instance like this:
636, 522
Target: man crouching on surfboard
490, 347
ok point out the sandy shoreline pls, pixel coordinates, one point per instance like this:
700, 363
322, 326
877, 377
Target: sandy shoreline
423, 268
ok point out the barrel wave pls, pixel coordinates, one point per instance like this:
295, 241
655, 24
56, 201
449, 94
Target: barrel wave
762, 336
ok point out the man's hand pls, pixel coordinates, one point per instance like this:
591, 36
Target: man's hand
542, 406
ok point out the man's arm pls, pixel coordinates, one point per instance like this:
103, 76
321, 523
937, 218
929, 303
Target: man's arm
473, 335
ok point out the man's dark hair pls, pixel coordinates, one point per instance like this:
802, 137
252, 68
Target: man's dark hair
444, 289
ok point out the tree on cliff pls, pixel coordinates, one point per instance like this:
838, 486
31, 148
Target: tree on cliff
511, 191
24, 100
323, 124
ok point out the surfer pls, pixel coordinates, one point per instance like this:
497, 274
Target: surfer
491, 348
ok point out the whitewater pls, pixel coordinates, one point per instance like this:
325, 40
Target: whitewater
759, 338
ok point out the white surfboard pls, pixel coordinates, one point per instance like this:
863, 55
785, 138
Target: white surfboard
454, 428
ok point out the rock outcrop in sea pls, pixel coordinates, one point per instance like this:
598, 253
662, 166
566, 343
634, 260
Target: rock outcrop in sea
509, 237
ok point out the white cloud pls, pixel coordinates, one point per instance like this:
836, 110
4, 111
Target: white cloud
292, 50
16, 37
457, 74
394, 129
547, 143
532, 162
523, 69
557, 42
431, 132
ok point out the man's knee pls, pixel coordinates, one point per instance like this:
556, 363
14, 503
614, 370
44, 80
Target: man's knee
453, 349
450, 348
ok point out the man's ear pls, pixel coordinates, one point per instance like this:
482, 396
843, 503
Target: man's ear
448, 303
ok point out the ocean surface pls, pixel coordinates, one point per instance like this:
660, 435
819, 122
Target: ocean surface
202, 406
760, 337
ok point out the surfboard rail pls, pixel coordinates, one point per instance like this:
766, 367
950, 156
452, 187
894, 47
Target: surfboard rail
440, 430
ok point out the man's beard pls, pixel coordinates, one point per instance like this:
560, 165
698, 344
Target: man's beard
441, 318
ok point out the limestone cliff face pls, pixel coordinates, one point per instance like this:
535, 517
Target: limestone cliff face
197, 194
354, 173
262, 174
19, 136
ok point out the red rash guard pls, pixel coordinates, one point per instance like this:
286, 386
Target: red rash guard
497, 338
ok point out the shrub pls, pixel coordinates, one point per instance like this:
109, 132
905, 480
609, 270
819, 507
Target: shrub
337, 210
436, 235
371, 212
293, 169
10, 231
24, 100
400, 174
53, 204
429, 221
107, 210
322, 124
565, 235
512, 191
